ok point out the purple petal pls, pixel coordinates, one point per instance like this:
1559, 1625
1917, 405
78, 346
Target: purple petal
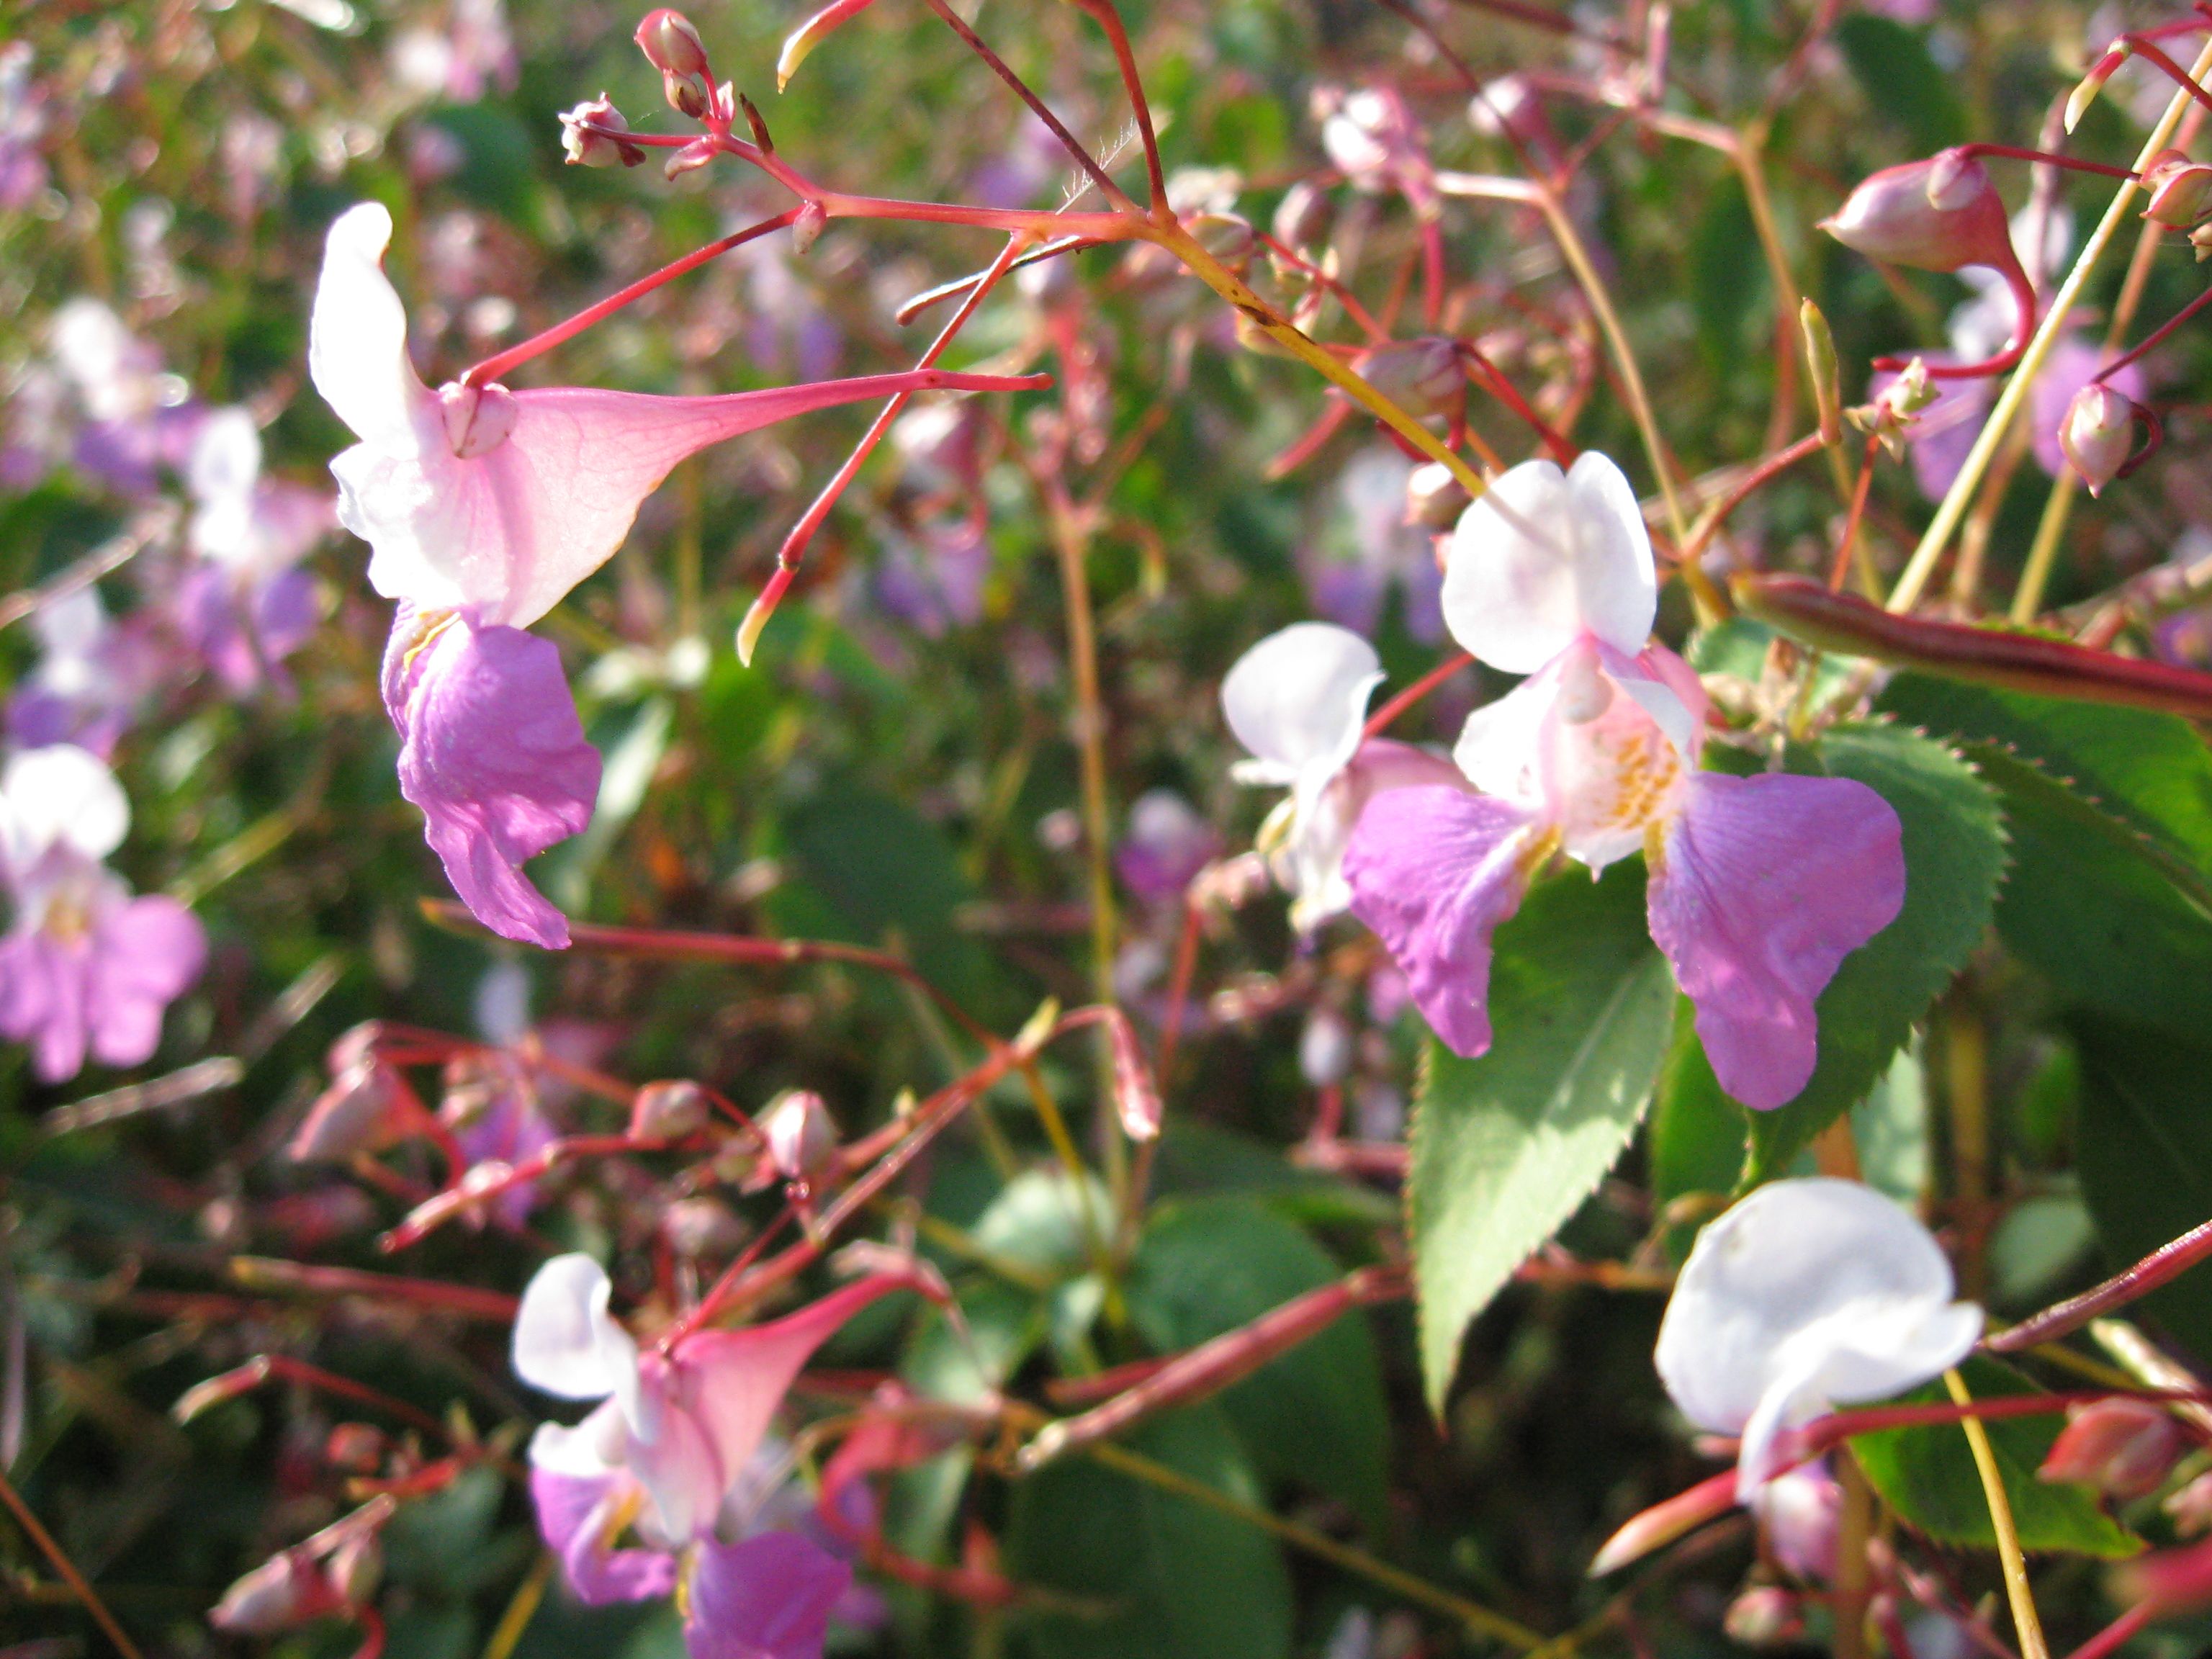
1433, 871
42, 1002
145, 953
573, 1516
770, 1597
492, 752
1764, 886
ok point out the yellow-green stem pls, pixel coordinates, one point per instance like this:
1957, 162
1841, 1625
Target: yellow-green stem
1914, 581
2026, 1625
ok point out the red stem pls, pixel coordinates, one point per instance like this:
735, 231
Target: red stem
1379, 721
2121, 1629
2157, 335
1102, 12
2141, 45
2162, 1264
2048, 158
499, 362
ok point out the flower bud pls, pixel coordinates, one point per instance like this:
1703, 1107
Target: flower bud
1227, 236
1423, 376
2200, 239
365, 1109
1764, 1616
355, 1566
672, 44
2123, 1448
1937, 214
1434, 498
668, 1111
283, 1592
808, 226
586, 143
2179, 188
2099, 434
2191, 1506
2078, 101
1303, 216
801, 1138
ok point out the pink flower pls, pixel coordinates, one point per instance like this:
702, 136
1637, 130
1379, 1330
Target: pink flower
244, 605
662, 1456
1759, 886
85, 967
1297, 702
483, 507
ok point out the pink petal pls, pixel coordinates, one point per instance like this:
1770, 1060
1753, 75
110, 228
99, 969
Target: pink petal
734, 1380
145, 953
770, 1597
42, 1002
1433, 871
1764, 886
492, 752
572, 1515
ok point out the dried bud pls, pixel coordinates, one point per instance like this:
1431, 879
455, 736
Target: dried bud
801, 1137
586, 135
2099, 434
2123, 1448
1227, 236
1940, 213
1764, 1616
1434, 497
282, 1593
808, 226
1305, 215
2179, 188
2078, 101
672, 44
1423, 376
668, 1111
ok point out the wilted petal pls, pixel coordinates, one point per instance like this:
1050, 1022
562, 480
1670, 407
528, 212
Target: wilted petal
1433, 871
144, 953
1544, 556
1296, 701
770, 1597
1807, 1295
565, 1343
492, 752
1763, 886
576, 1515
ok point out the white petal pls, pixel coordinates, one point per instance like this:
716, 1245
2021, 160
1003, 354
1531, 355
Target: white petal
1816, 1284
357, 335
1544, 556
565, 1343
1500, 746
592, 1448
1296, 699
60, 796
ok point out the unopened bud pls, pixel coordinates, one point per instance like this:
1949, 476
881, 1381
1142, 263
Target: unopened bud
805, 228
2099, 434
283, 1592
229, 1385
1821, 361
1303, 216
365, 1109
1227, 236
1136, 1100
2179, 188
1434, 497
587, 135
689, 159
672, 44
687, 94
1940, 213
801, 1137
2200, 239
2123, 1448
1423, 377
478, 418
668, 1111
2078, 101
1764, 1616
2191, 1506
355, 1566
355, 1447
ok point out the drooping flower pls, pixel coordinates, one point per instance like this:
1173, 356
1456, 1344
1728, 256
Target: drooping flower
661, 1457
1297, 702
1759, 886
483, 507
1807, 1295
84, 967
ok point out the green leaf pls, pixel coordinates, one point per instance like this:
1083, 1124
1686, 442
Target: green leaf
2144, 1157
1954, 854
1163, 1574
1506, 1147
1697, 1140
2111, 815
1038, 1224
1901, 81
1315, 1416
1928, 1476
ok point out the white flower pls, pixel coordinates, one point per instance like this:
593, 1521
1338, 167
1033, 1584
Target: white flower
1807, 1295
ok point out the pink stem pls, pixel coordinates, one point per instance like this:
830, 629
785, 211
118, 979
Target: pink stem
2121, 1629
2166, 1262
2048, 158
1382, 719
2157, 335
